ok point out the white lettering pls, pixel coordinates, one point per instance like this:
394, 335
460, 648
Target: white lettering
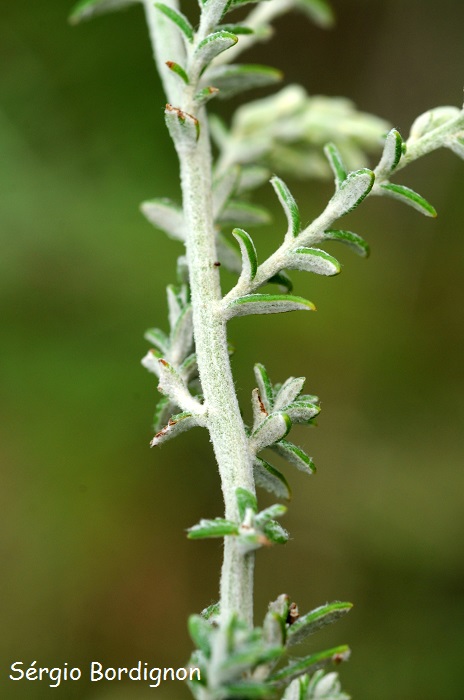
96, 671
17, 670
137, 669
75, 672
197, 672
181, 674
55, 675
155, 675
31, 673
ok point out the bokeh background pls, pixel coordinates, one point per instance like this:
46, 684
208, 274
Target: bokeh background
95, 563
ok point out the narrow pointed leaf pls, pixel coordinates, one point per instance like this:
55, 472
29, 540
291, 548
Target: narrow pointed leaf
181, 340
391, 156
245, 500
273, 428
259, 410
223, 189
325, 685
213, 45
319, 11
183, 127
212, 528
248, 251
178, 70
301, 411
200, 631
275, 533
235, 78
309, 664
355, 242
289, 206
430, 120
247, 691
267, 304
265, 387
163, 411
352, 191
315, 620
176, 425
238, 29
313, 260
238, 212
268, 514
288, 392
270, 479
189, 368
408, 196
178, 18
295, 455
336, 163
86, 9
151, 361
158, 338
205, 95
165, 215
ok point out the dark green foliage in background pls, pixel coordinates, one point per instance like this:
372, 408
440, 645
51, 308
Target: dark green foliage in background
96, 565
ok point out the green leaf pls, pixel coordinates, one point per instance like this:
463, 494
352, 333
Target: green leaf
237, 212
86, 9
183, 127
295, 455
432, 119
273, 428
457, 146
355, 242
270, 479
165, 215
178, 70
283, 280
336, 163
178, 18
213, 45
189, 368
219, 527
316, 619
408, 196
181, 339
302, 411
352, 191
319, 11
288, 392
311, 663
200, 631
235, 78
176, 425
205, 95
248, 251
211, 611
391, 156
233, 4
266, 304
236, 29
275, 533
265, 387
313, 260
289, 206
163, 410
275, 511
158, 338
245, 500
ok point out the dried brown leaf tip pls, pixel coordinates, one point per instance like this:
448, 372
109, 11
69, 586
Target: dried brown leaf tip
293, 613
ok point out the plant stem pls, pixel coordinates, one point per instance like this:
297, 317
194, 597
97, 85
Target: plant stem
224, 421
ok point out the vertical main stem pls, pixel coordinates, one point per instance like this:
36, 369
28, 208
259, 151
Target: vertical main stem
224, 421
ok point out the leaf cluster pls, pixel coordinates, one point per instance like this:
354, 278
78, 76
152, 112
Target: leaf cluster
239, 663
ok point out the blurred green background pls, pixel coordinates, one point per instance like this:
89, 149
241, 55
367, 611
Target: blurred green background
95, 563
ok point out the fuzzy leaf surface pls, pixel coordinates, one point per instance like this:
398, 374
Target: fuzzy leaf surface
273, 428
336, 163
408, 196
355, 242
238, 212
165, 215
288, 392
213, 45
289, 206
86, 9
352, 191
391, 156
311, 663
295, 455
178, 18
266, 304
176, 425
313, 260
315, 620
248, 252
235, 78
219, 527
266, 391
270, 479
